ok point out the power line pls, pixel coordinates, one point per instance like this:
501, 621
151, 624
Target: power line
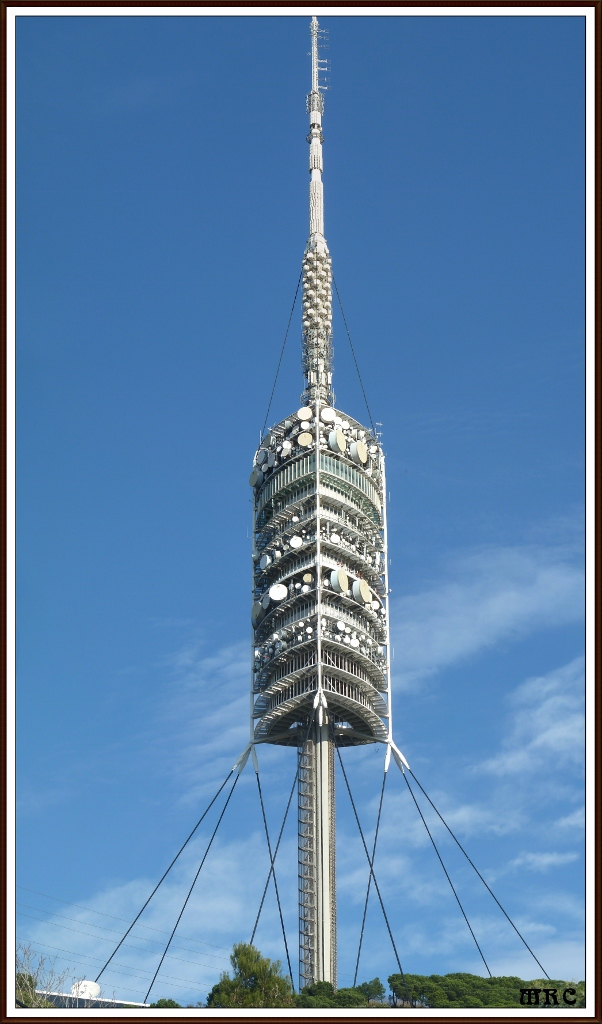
103, 928
90, 910
112, 970
126, 945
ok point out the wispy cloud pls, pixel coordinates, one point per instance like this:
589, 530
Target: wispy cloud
208, 708
546, 723
576, 820
221, 911
543, 861
485, 596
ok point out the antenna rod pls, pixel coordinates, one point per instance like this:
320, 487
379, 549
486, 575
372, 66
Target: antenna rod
314, 54
317, 270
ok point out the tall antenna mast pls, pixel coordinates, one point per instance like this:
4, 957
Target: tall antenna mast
317, 272
315, 28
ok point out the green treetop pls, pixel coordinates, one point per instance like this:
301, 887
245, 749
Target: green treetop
257, 981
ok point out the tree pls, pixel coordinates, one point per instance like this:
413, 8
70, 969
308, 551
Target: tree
166, 1004
36, 976
322, 995
257, 981
373, 989
471, 990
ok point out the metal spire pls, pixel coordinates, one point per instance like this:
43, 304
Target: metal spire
317, 273
320, 666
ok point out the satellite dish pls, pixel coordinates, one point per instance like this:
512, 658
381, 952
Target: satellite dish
305, 439
85, 990
305, 413
261, 456
264, 561
328, 415
339, 581
308, 578
286, 447
265, 602
278, 592
361, 592
257, 613
295, 542
256, 477
358, 452
271, 459
337, 441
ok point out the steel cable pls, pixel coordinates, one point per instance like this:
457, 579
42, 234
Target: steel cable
446, 874
267, 836
457, 841
163, 876
193, 884
359, 950
380, 899
282, 353
265, 888
354, 356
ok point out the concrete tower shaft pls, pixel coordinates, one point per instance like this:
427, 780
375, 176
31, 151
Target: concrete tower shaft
320, 670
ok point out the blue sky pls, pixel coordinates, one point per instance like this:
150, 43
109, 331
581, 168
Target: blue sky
162, 216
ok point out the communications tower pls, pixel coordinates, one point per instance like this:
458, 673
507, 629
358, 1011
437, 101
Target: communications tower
321, 663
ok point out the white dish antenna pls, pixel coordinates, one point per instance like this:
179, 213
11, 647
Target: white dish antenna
337, 442
339, 581
85, 990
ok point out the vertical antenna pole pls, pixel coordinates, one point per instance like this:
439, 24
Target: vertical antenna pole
314, 54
